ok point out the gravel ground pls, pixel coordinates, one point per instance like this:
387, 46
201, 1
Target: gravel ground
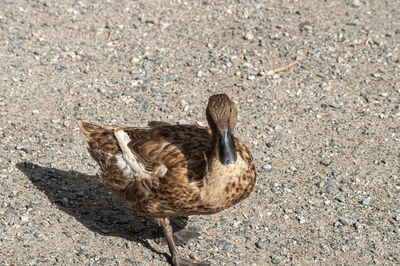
324, 133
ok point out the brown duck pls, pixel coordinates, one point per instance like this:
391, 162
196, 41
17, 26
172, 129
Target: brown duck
164, 171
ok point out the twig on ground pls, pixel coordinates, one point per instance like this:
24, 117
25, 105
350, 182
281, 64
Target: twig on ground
110, 35
277, 70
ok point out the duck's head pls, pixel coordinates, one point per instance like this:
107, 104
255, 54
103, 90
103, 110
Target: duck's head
221, 116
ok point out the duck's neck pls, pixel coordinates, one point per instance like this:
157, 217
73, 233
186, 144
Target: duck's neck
219, 179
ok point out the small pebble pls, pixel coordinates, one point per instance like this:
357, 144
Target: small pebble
346, 221
340, 199
330, 188
366, 201
261, 244
356, 3
104, 261
248, 36
351, 241
275, 259
267, 167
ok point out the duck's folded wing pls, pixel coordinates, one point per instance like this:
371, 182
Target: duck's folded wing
152, 153
181, 149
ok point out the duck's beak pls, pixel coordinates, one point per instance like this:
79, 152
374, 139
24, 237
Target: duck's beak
226, 147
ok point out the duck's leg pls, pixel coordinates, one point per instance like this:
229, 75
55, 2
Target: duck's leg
167, 229
176, 260
182, 235
181, 238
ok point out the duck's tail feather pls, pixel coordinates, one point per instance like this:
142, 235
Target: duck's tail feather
104, 148
100, 137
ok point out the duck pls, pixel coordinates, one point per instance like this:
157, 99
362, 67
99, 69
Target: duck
164, 170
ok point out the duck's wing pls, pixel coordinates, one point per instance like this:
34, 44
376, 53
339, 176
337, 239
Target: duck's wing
180, 151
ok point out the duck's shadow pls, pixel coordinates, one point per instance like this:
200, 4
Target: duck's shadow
84, 197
